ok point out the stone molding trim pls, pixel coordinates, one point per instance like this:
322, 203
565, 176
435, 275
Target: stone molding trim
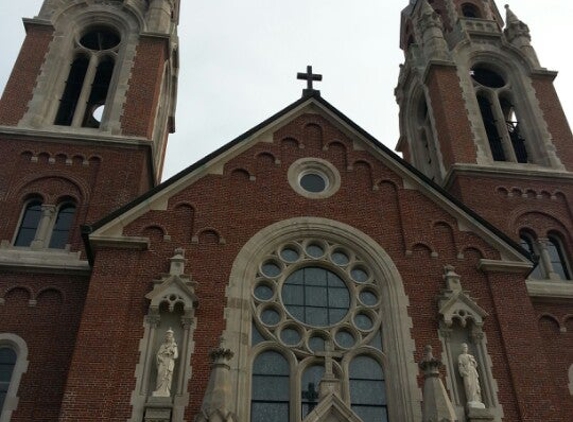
19, 346
400, 369
550, 289
55, 261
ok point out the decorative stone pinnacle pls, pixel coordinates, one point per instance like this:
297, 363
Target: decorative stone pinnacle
452, 278
178, 262
510, 16
221, 353
429, 364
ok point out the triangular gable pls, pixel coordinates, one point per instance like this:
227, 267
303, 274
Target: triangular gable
111, 227
332, 409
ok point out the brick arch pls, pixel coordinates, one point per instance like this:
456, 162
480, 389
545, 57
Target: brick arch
525, 217
568, 323
548, 323
185, 215
31, 183
314, 135
442, 228
240, 173
155, 232
208, 235
363, 166
502, 191
290, 142
14, 290
472, 250
266, 158
46, 290
422, 248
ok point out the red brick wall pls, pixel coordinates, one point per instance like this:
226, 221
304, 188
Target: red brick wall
49, 329
450, 116
20, 86
144, 87
99, 178
236, 208
555, 118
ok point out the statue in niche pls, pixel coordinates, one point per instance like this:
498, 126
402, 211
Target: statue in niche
165, 357
467, 366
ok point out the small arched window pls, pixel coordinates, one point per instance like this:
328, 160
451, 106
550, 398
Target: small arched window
471, 11
7, 363
270, 389
62, 226
29, 223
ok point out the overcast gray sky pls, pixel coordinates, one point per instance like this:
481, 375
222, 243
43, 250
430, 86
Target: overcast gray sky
239, 61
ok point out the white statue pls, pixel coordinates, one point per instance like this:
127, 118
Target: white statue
166, 356
467, 366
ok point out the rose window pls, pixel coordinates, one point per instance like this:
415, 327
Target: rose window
312, 292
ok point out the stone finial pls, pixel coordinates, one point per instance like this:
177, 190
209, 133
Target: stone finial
517, 33
452, 278
217, 400
437, 405
177, 262
431, 30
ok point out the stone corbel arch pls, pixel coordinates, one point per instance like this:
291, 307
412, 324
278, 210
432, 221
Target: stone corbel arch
172, 306
401, 372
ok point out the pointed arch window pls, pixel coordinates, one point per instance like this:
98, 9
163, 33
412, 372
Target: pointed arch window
529, 243
7, 363
553, 261
62, 226
270, 395
426, 148
84, 97
29, 223
557, 257
13, 363
499, 116
368, 389
314, 303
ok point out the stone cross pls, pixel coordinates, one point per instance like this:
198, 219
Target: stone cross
309, 77
329, 354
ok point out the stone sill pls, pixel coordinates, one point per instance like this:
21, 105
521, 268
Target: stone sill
550, 289
56, 261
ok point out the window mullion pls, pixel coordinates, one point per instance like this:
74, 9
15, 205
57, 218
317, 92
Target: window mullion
502, 128
86, 90
44, 227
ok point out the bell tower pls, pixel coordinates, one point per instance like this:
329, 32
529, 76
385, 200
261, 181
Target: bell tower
84, 122
104, 72
85, 116
479, 115
473, 96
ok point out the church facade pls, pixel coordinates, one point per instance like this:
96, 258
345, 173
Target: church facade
302, 272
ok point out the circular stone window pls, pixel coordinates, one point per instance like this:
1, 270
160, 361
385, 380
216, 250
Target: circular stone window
309, 292
314, 178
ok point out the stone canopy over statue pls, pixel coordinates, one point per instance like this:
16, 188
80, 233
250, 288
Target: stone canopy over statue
467, 366
165, 358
